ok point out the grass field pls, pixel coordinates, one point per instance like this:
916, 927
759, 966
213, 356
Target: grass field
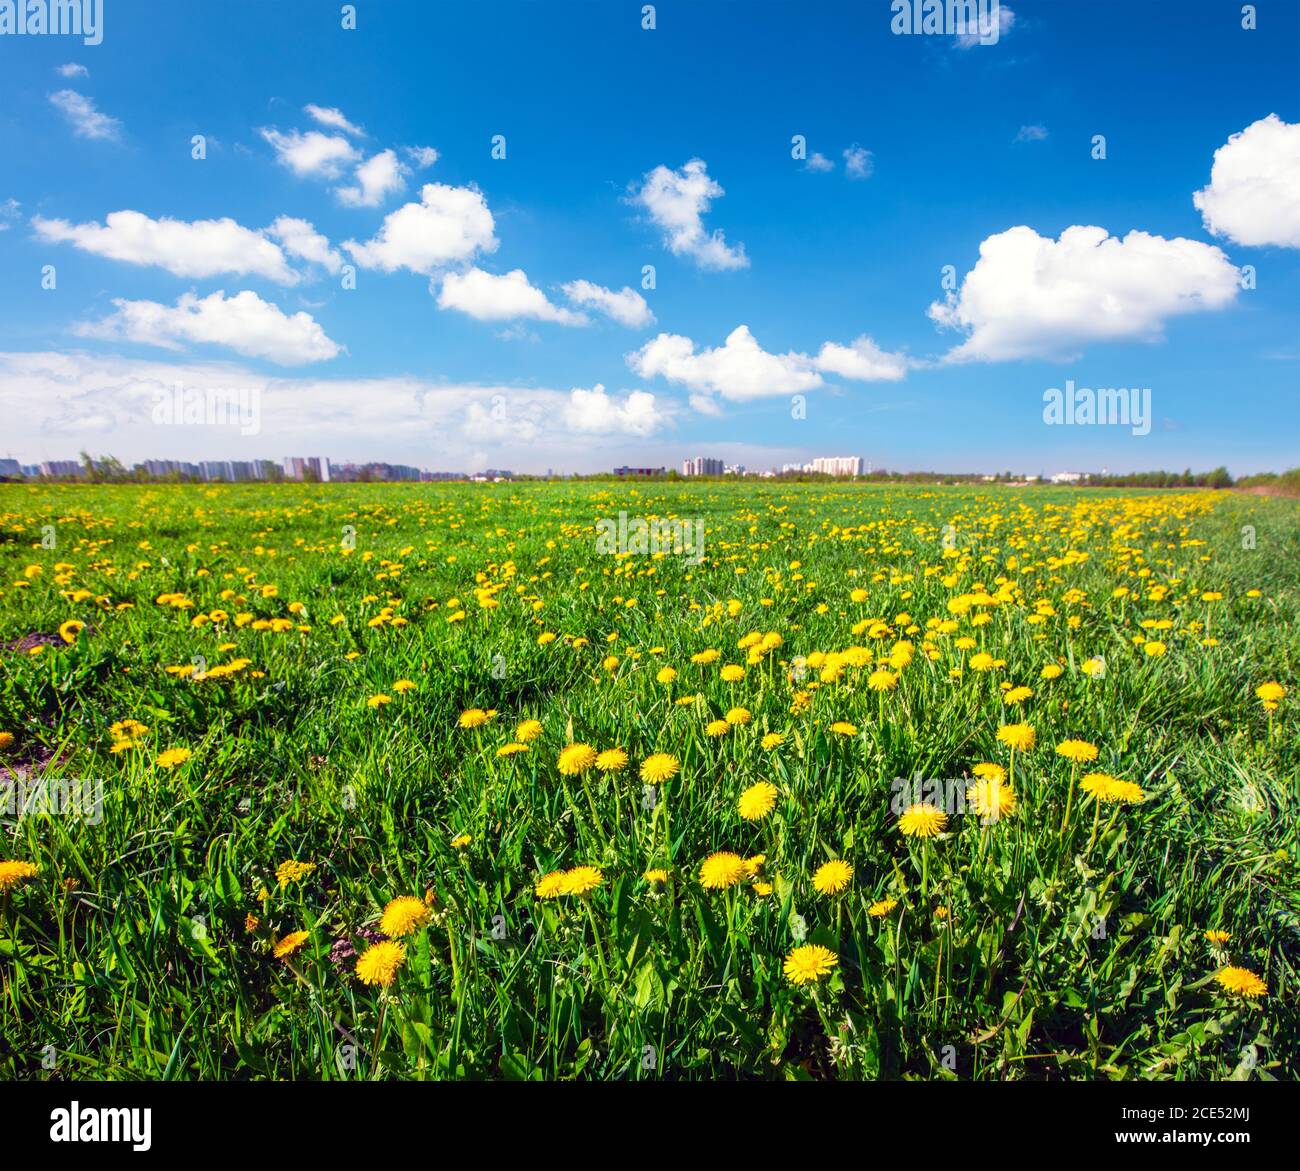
318, 854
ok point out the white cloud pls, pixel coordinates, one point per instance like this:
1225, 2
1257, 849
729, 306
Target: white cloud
312, 153
72, 69
862, 360
487, 297
421, 156
85, 120
47, 397
333, 118
201, 248
1030, 296
971, 38
1253, 197
740, 369
858, 162
447, 226
1034, 133
244, 323
818, 162
626, 306
594, 412
676, 202
8, 211
300, 239
377, 178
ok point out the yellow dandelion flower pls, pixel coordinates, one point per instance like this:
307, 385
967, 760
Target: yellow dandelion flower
378, 964
659, 768
922, 820
582, 879
772, 740
460, 841
528, 730
290, 944
738, 716
576, 759
1021, 737
6, 739
832, 877
844, 728
512, 749
1270, 695
612, 760
732, 673
404, 915
656, 877
69, 630
1217, 937
173, 757
12, 873
991, 798
379, 700
881, 907
1241, 982
757, 801
809, 963
666, 675
550, 886
474, 717
721, 870
403, 685
1079, 751
716, 728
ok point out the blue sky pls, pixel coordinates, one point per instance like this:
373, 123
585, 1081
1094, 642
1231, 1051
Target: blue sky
831, 273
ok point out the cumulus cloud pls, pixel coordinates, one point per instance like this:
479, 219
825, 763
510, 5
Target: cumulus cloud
1034, 133
72, 69
862, 360
312, 153
1253, 197
449, 225
818, 162
1030, 296
858, 162
301, 240
199, 248
8, 212
86, 121
421, 156
740, 369
376, 179
45, 397
487, 297
333, 118
676, 202
593, 412
627, 306
243, 323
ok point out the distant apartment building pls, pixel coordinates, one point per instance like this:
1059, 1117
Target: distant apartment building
61, 467
838, 465
1068, 477
638, 473
309, 467
10, 469
702, 465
